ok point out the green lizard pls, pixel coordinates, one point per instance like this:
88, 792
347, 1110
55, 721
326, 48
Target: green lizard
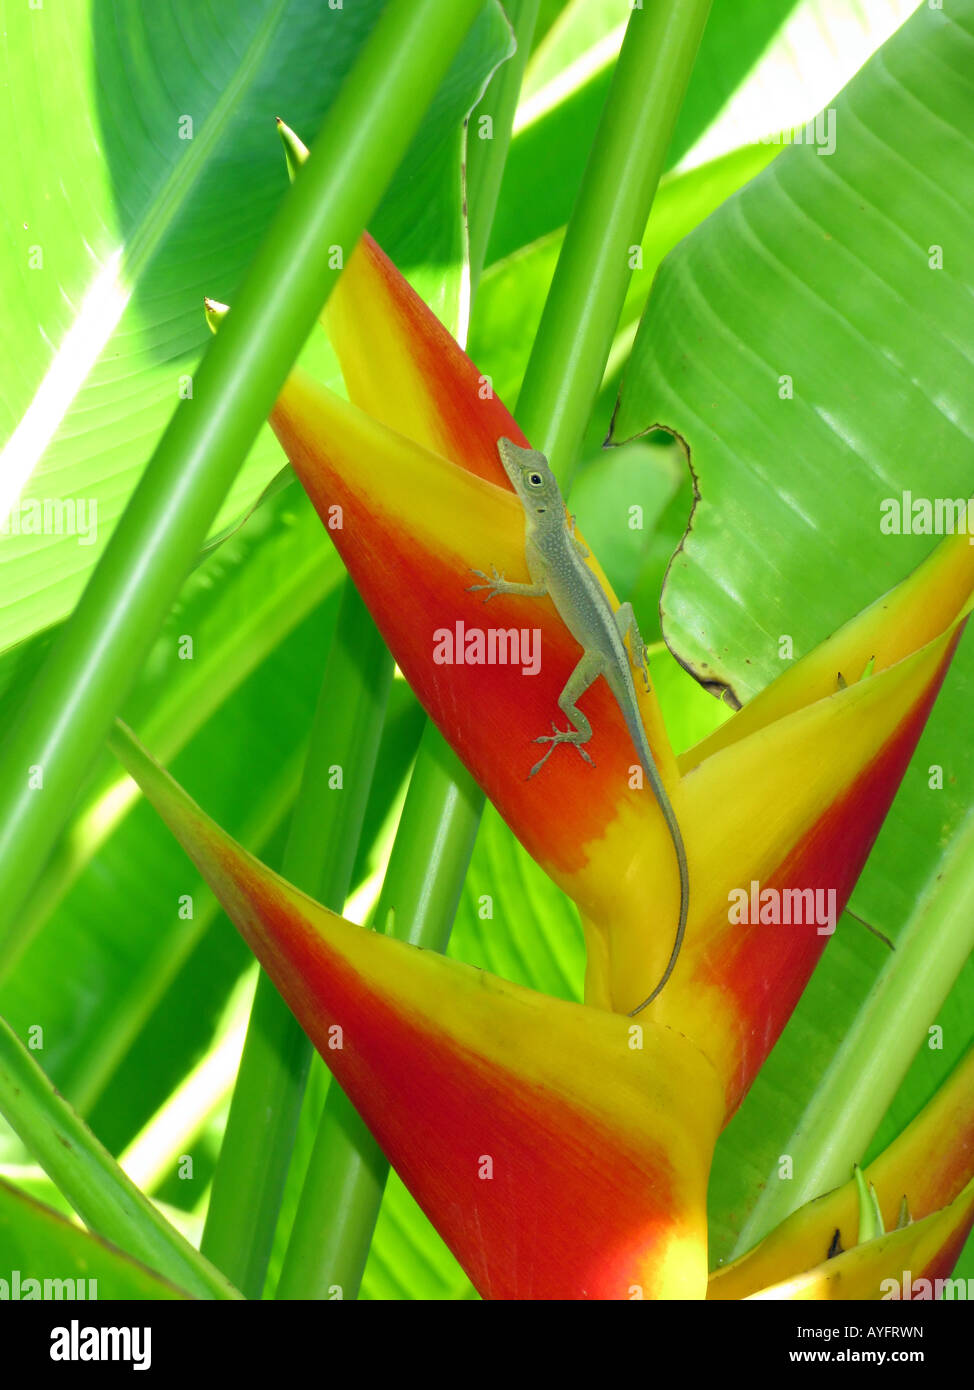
556, 564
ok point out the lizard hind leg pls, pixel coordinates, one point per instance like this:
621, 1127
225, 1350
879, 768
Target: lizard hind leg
575, 736
588, 670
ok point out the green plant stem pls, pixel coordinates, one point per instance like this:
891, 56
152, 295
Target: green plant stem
275, 1064
107, 1201
486, 158
67, 714
347, 1171
856, 1091
166, 729
606, 226
319, 858
346, 1174
120, 1023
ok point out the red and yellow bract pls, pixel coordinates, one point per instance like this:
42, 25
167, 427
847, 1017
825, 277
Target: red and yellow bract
563, 1150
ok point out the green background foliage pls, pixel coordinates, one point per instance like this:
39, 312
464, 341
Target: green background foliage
772, 262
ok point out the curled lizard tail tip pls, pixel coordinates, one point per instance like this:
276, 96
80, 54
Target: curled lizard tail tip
681, 929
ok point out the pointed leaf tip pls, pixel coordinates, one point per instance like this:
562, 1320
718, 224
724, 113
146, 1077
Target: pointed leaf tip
215, 313
870, 1217
904, 1218
295, 150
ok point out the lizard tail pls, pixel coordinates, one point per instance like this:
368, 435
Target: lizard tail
681, 857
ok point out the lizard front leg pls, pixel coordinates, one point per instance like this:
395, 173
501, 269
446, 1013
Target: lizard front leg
497, 584
588, 670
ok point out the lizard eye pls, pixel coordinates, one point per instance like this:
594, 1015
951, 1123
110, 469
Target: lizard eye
535, 479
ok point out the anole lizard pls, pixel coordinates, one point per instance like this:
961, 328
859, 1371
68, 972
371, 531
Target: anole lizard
556, 564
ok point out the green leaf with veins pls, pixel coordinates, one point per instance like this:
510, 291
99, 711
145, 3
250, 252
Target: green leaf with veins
148, 184
807, 346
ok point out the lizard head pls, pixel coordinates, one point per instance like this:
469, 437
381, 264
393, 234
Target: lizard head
530, 476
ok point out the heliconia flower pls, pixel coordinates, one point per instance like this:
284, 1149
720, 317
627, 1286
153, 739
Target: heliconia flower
778, 809
561, 1151
929, 1169
793, 791
911, 1263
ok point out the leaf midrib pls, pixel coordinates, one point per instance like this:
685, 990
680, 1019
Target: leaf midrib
160, 214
